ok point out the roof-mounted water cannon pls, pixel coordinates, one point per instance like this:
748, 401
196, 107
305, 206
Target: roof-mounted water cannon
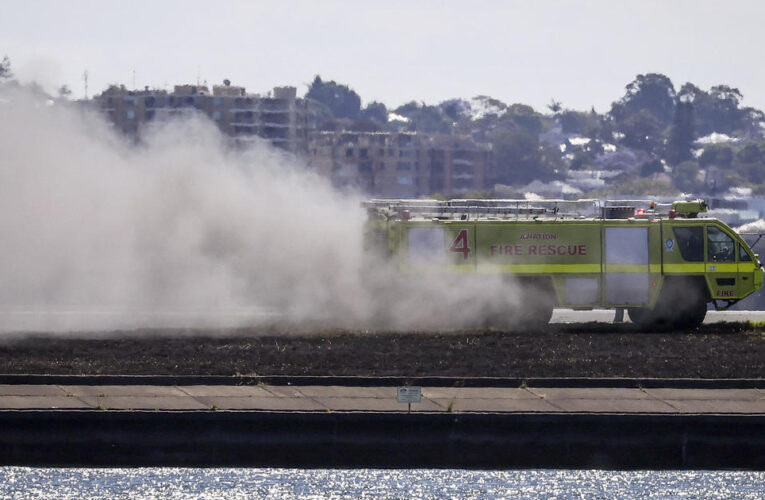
687, 209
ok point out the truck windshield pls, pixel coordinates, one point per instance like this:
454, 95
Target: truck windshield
690, 240
720, 246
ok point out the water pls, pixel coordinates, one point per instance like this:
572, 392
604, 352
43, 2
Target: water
234, 483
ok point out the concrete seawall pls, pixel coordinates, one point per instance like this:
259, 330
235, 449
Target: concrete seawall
294, 439
619, 427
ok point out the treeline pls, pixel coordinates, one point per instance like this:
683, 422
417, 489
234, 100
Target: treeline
650, 136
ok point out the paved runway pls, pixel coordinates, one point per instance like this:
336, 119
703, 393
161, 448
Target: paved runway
383, 399
607, 316
83, 320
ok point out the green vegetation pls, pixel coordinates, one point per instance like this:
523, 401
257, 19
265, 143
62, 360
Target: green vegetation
5, 69
649, 137
655, 139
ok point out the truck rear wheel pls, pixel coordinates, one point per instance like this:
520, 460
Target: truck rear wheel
537, 309
538, 313
638, 315
533, 312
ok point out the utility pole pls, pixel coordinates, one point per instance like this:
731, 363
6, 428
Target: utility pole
85, 79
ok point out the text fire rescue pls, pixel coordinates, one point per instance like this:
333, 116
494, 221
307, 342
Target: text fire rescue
546, 250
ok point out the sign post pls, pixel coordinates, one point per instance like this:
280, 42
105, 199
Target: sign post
409, 394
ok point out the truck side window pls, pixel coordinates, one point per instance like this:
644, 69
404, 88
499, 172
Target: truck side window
720, 246
690, 240
743, 255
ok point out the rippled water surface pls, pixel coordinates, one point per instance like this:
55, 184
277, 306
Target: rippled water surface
178, 483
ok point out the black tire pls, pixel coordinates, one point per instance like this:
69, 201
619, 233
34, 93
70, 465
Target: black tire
691, 311
638, 315
538, 308
533, 313
538, 314
682, 305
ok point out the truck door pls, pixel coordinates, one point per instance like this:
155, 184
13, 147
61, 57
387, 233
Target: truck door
721, 266
627, 272
745, 281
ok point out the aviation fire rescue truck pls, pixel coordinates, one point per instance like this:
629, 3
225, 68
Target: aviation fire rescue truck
660, 261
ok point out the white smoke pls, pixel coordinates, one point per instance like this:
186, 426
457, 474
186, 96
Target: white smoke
89, 220
181, 222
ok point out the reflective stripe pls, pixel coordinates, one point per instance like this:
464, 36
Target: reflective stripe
632, 268
696, 267
437, 268
722, 267
541, 268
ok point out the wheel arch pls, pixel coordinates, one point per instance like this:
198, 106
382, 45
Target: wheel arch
681, 283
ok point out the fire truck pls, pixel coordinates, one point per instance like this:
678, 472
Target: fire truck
661, 262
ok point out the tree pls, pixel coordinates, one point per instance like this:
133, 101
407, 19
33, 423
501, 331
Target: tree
685, 177
718, 110
751, 153
643, 131
425, 118
5, 69
725, 103
749, 164
365, 124
752, 119
717, 155
524, 117
622, 159
681, 135
555, 106
376, 111
520, 159
64, 92
753, 172
651, 167
580, 122
340, 99
456, 109
652, 92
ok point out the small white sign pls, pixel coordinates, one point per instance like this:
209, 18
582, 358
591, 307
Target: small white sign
409, 394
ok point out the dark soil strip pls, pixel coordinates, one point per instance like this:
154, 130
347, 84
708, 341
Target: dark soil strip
710, 352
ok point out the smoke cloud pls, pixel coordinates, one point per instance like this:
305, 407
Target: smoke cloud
182, 226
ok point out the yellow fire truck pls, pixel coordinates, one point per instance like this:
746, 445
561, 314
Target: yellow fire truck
660, 261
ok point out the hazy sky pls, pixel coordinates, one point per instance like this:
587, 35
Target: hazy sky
581, 53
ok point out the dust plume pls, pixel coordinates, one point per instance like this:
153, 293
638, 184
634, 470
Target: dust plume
181, 224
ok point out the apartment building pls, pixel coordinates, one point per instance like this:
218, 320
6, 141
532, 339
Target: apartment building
458, 164
400, 164
280, 117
